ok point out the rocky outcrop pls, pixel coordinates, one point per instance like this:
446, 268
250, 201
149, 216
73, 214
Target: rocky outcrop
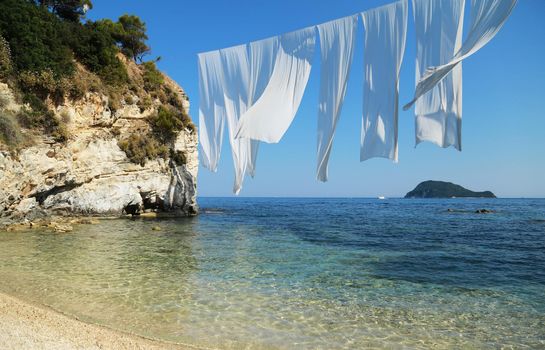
441, 189
89, 174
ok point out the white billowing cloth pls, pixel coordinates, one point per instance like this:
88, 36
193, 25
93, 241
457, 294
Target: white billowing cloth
271, 115
236, 75
385, 34
439, 26
231, 80
262, 55
211, 108
257, 88
487, 18
337, 40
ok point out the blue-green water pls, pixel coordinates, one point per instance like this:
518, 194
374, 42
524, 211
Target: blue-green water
301, 274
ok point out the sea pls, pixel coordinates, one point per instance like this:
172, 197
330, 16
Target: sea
301, 273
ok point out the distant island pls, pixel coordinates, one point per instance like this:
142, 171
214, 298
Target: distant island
441, 189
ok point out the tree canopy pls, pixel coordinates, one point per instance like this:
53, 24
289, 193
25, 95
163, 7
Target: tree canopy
36, 38
133, 37
71, 10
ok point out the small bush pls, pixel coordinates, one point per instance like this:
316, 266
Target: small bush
144, 103
160, 95
35, 116
141, 147
4, 99
59, 131
36, 103
41, 83
172, 98
166, 123
5, 58
153, 78
179, 157
66, 118
10, 131
114, 100
83, 82
43, 119
44, 84
114, 73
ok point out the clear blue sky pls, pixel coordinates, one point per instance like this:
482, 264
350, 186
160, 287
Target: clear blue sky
503, 112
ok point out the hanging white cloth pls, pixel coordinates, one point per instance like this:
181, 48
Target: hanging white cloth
236, 74
337, 40
438, 113
385, 34
211, 109
262, 55
269, 118
487, 18
231, 80
246, 72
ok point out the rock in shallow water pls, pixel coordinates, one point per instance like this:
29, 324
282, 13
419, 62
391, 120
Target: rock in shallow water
483, 211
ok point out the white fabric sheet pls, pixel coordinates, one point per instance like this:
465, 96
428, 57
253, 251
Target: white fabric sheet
211, 109
385, 34
262, 55
269, 118
236, 74
487, 18
438, 113
337, 40
246, 71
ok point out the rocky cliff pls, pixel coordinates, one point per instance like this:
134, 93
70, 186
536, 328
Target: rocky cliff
88, 173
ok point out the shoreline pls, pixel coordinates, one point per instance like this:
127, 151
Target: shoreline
63, 224
26, 325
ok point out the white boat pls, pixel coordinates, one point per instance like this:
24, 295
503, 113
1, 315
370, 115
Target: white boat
381, 197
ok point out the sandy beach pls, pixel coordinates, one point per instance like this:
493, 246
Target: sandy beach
28, 326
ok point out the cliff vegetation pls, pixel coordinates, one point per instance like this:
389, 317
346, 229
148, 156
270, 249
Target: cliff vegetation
49, 53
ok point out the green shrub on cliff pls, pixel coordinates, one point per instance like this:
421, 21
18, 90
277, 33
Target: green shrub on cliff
166, 123
142, 147
38, 116
179, 157
153, 79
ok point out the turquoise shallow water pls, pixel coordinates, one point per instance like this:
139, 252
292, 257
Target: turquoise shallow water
301, 274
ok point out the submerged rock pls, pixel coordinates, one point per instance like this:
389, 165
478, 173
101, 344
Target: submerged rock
60, 228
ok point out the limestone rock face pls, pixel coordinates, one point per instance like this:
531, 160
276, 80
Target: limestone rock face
89, 174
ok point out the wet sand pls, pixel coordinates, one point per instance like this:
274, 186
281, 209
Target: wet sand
28, 326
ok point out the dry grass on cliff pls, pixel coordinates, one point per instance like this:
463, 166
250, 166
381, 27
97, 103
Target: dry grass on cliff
10, 131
